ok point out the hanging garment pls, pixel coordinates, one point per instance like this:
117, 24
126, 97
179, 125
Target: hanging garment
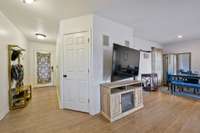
14, 73
15, 54
17, 74
21, 75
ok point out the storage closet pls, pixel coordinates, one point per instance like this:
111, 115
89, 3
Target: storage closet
19, 94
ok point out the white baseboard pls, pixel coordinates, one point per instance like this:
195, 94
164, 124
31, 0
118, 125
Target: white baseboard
3, 113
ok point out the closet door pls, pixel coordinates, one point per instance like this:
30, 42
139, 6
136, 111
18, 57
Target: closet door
76, 74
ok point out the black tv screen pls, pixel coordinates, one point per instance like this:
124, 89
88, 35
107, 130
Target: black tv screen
125, 62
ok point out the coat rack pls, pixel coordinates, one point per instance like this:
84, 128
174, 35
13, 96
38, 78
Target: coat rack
19, 94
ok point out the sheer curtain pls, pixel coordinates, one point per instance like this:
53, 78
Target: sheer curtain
157, 63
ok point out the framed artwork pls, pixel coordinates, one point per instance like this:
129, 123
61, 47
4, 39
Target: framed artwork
43, 68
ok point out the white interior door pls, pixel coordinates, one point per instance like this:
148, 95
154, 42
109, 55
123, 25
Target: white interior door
76, 71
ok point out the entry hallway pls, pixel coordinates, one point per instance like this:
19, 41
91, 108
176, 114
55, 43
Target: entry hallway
162, 113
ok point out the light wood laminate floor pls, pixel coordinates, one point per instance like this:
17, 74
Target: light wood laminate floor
162, 114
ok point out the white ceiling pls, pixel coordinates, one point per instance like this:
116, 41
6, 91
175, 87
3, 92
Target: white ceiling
156, 20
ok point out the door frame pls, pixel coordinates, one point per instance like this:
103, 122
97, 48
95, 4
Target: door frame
89, 67
35, 51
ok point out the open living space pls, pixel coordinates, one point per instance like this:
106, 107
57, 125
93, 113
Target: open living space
99, 66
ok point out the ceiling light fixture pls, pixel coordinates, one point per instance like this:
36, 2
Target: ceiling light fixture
40, 36
28, 1
179, 36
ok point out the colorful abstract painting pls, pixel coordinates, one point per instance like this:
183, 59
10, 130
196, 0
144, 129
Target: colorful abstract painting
43, 68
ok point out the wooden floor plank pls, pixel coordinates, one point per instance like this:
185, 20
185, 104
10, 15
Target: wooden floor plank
162, 113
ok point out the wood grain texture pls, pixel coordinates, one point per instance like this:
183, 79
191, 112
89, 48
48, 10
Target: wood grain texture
162, 113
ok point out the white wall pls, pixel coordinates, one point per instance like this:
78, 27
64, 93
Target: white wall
143, 44
187, 46
9, 34
40, 47
98, 27
117, 33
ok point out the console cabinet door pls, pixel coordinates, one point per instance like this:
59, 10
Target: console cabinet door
138, 97
115, 105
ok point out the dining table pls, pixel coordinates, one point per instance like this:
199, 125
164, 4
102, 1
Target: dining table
190, 79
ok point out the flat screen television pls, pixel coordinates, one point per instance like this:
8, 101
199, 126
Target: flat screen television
125, 62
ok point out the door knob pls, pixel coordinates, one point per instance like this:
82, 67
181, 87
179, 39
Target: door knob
65, 76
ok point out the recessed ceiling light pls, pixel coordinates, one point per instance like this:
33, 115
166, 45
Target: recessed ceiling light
179, 36
28, 1
40, 36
